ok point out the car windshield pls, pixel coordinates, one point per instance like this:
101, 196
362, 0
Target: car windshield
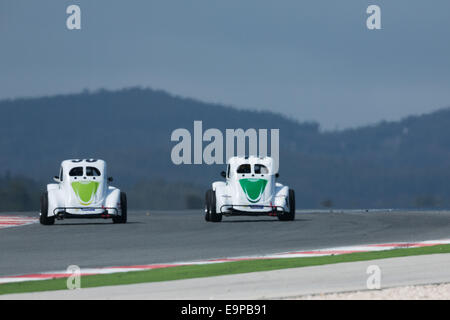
92, 172
244, 168
76, 172
261, 169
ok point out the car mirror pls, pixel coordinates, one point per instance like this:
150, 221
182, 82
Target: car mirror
110, 179
56, 179
223, 174
277, 175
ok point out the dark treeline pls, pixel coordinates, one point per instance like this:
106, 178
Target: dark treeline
160, 194
18, 193
390, 164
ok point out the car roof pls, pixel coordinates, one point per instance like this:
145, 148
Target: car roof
72, 163
237, 161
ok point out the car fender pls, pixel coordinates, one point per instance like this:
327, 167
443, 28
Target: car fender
222, 194
55, 198
281, 195
112, 199
52, 186
218, 185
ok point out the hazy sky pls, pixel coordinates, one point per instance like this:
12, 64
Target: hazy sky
312, 60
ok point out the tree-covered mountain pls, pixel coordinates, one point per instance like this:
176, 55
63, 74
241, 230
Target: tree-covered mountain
389, 164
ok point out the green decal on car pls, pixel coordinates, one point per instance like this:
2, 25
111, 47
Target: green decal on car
85, 191
253, 188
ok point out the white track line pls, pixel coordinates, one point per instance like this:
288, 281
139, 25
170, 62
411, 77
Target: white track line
294, 254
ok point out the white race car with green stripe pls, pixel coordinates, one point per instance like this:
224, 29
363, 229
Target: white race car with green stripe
250, 189
82, 190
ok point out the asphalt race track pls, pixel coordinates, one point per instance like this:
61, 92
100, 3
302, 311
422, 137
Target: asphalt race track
166, 236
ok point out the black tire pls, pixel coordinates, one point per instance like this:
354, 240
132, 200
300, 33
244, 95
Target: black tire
44, 218
214, 216
289, 215
207, 205
124, 208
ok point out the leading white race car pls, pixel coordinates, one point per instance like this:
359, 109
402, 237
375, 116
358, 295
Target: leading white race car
82, 191
250, 189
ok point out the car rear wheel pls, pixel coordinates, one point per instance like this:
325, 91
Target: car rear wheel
44, 218
123, 208
214, 216
289, 215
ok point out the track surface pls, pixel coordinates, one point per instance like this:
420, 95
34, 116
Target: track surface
173, 236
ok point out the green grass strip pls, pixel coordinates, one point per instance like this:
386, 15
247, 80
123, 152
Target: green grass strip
209, 270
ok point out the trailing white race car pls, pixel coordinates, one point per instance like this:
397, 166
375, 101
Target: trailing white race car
82, 191
250, 189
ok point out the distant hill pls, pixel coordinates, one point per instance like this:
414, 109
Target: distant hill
390, 164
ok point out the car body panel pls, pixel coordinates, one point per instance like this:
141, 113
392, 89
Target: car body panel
83, 191
251, 191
